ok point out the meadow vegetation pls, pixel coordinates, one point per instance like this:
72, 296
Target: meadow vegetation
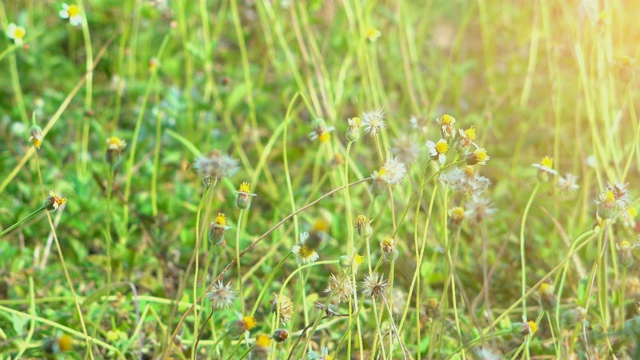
339, 179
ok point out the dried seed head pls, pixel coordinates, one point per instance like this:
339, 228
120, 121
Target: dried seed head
283, 306
373, 286
215, 166
341, 287
221, 296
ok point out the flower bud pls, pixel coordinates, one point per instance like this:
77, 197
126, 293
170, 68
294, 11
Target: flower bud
244, 196
36, 136
217, 229
280, 335
115, 146
363, 225
53, 201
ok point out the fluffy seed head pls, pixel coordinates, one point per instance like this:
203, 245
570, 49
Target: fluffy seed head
221, 296
373, 286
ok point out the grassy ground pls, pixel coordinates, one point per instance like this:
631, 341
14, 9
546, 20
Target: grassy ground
361, 242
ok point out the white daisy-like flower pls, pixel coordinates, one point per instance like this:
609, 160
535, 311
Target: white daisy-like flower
567, 183
373, 121
546, 165
304, 253
221, 296
71, 12
394, 171
321, 131
438, 151
16, 33
478, 209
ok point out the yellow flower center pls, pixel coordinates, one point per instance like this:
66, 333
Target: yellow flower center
115, 143
457, 213
533, 326
446, 119
244, 188
547, 162
632, 212
372, 34
387, 242
624, 245
609, 197
356, 121
64, 342
470, 133
359, 259
19, 32
361, 220
263, 341
324, 137
469, 171
481, 155
249, 322
221, 219
545, 289
382, 171
306, 252
321, 224
442, 147
73, 10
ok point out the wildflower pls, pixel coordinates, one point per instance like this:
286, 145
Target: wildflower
447, 130
351, 261
320, 131
16, 33
571, 317
373, 122
115, 146
478, 209
71, 12
456, 215
545, 169
304, 253
221, 296
389, 248
261, 348
217, 229
466, 180
620, 193
547, 299
363, 226
479, 156
487, 354
525, 329
432, 309
153, 64
405, 149
465, 140
280, 335
625, 256
438, 151
239, 327
340, 286
58, 344
36, 136
379, 183
54, 201
323, 355
353, 132
629, 218
567, 183
282, 305
394, 171
215, 166
372, 34
626, 68
373, 285
244, 196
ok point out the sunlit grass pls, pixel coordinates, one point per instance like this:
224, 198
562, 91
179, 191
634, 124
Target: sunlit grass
432, 180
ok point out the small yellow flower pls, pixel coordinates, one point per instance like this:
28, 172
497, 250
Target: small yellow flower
71, 12
533, 326
545, 169
372, 34
250, 322
438, 151
470, 133
359, 259
263, 340
16, 33
54, 201
36, 136
221, 220
479, 156
244, 196
457, 215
